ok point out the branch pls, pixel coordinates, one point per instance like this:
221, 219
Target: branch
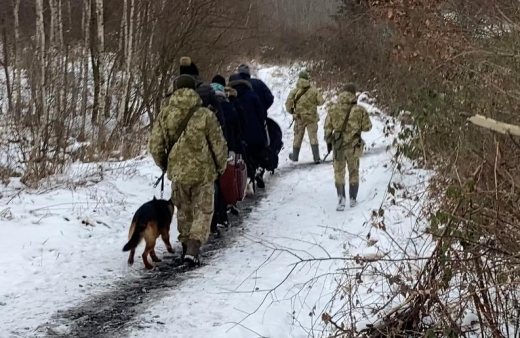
501, 127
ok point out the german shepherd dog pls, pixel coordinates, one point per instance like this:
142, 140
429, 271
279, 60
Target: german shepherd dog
150, 221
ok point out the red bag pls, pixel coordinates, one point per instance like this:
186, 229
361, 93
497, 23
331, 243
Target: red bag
241, 178
228, 184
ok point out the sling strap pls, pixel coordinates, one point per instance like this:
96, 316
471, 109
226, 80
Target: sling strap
298, 97
344, 126
182, 127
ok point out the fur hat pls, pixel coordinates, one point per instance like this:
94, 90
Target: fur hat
244, 69
350, 87
188, 67
185, 81
304, 75
185, 61
219, 79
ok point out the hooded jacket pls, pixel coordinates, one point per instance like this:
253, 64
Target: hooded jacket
231, 118
264, 93
251, 113
307, 105
358, 121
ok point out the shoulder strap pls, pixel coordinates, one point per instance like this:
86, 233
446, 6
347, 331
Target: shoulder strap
182, 127
298, 97
344, 127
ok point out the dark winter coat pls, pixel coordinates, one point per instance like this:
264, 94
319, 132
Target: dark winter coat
210, 100
233, 130
261, 89
251, 113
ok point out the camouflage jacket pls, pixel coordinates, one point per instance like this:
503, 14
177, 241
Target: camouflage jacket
358, 122
200, 152
307, 106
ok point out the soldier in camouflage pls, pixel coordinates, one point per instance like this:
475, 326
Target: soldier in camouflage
343, 127
193, 163
302, 103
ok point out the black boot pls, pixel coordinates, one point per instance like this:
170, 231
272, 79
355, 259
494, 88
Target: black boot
223, 221
192, 256
353, 192
184, 248
260, 181
234, 210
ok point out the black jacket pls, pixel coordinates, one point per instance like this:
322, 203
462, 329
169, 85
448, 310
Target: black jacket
261, 89
251, 113
233, 130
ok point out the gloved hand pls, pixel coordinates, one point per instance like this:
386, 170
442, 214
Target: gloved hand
329, 147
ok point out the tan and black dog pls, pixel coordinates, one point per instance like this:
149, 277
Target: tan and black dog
150, 221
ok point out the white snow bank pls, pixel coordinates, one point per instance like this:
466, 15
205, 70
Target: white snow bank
62, 243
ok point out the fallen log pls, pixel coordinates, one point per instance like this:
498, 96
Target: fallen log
500, 127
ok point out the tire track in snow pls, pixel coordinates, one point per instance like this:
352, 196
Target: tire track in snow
109, 313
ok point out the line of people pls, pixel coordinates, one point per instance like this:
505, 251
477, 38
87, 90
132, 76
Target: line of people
200, 130
345, 122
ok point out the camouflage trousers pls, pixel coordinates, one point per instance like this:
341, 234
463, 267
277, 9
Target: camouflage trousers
299, 133
194, 210
347, 158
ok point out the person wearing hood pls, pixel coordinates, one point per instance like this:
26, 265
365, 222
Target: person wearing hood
264, 93
344, 124
232, 125
224, 96
253, 124
187, 143
302, 103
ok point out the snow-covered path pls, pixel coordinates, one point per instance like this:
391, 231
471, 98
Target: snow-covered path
63, 246
263, 287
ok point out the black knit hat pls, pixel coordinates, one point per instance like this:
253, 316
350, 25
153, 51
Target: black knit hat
219, 79
185, 81
244, 69
188, 67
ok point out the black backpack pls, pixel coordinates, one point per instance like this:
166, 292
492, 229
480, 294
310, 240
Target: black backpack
269, 156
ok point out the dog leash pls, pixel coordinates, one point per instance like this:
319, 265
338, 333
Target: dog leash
161, 179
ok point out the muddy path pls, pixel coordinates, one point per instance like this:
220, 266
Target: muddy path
111, 313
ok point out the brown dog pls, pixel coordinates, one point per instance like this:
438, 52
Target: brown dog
150, 221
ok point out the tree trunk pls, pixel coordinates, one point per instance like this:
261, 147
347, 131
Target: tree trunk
6, 64
84, 69
103, 112
17, 64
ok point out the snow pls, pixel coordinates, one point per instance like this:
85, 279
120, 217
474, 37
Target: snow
62, 243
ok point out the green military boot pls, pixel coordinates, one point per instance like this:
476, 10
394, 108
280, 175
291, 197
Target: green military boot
341, 197
316, 153
295, 154
192, 256
353, 191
